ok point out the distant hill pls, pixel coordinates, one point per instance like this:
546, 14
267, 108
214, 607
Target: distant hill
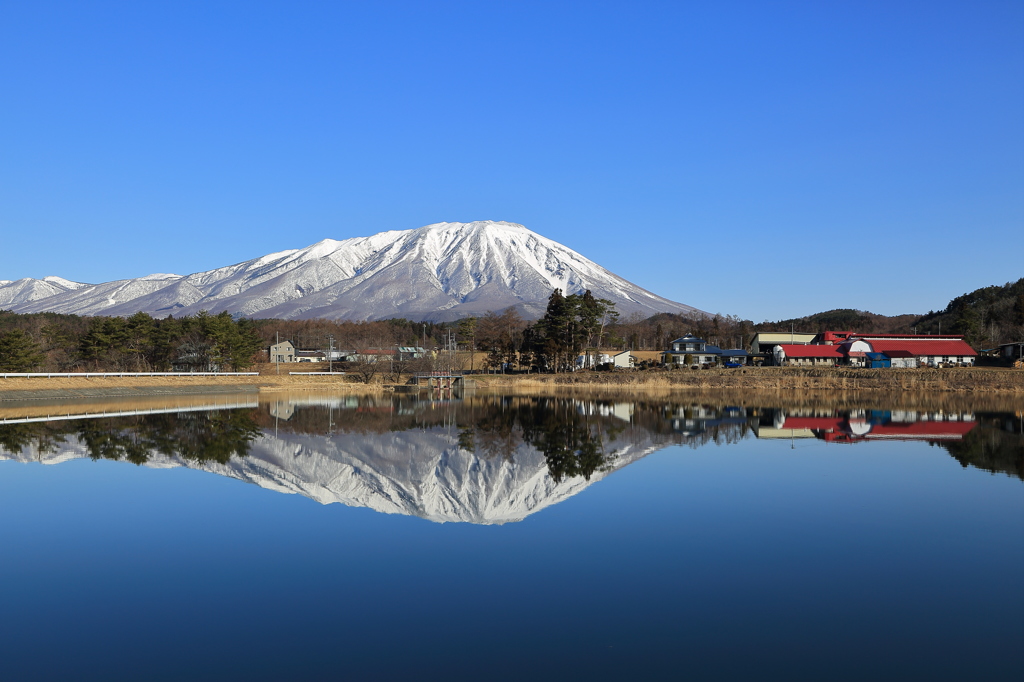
844, 319
986, 317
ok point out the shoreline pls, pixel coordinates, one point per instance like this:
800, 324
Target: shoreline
958, 380
977, 381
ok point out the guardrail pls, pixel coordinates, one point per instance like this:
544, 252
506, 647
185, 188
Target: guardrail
61, 375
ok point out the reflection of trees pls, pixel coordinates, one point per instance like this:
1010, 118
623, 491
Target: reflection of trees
494, 432
46, 436
573, 444
106, 441
995, 445
214, 436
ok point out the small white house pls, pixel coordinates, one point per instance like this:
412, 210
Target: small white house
624, 359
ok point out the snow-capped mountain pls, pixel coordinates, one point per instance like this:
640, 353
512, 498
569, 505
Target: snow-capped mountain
28, 290
439, 272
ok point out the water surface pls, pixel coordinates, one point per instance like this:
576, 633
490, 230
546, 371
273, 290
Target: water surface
500, 537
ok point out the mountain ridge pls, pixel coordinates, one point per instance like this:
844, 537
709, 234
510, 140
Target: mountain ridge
437, 272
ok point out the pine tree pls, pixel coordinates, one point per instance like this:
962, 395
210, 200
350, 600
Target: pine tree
19, 352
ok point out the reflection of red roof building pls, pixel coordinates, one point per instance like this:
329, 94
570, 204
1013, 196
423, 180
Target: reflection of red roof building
925, 430
814, 423
841, 429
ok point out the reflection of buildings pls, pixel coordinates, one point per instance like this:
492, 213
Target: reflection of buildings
282, 409
691, 420
861, 425
621, 411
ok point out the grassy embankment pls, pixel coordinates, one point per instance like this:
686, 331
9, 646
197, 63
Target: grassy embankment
268, 380
976, 381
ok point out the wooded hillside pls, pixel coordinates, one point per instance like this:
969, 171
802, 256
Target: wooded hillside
986, 317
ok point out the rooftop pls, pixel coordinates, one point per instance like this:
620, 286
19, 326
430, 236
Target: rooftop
799, 350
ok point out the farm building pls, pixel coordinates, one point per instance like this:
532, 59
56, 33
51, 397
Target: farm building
765, 342
930, 350
879, 350
807, 355
1012, 351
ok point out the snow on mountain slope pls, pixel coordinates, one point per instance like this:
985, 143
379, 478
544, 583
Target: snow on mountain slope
98, 299
28, 290
438, 272
64, 283
420, 473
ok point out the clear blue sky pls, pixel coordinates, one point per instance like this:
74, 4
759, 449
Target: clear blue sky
765, 159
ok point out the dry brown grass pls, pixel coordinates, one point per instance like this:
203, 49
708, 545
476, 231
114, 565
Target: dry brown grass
967, 380
266, 381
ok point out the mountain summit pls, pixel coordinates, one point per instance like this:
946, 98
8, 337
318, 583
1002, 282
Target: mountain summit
439, 272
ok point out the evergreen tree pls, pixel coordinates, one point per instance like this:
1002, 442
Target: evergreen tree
19, 352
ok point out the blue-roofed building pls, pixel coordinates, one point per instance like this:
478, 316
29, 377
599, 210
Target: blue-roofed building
734, 356
687, 351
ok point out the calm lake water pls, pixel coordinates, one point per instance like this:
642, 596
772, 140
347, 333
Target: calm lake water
498, 537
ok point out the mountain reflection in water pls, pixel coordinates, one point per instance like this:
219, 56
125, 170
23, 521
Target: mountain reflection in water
485, 459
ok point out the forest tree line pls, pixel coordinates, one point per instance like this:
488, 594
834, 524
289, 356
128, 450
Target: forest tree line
141, 343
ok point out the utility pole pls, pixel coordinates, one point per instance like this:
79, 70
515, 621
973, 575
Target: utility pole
277, 356
330, 355
450, 347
